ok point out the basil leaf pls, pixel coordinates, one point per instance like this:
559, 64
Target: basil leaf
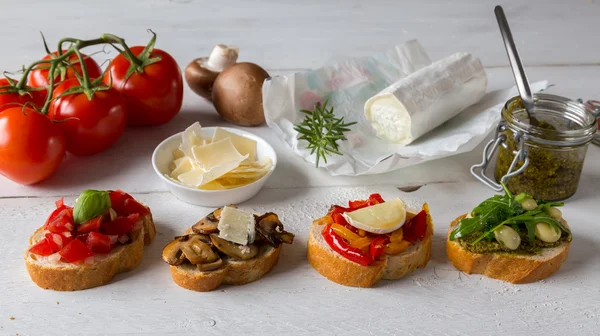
90, 204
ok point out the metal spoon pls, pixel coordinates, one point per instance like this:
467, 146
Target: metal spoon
515, 63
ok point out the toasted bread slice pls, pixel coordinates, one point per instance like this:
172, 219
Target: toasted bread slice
64, 276
517, 269
233, 272
338, 269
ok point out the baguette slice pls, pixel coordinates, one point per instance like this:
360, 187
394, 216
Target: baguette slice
233, 272
517, 269
338, 269
63, 276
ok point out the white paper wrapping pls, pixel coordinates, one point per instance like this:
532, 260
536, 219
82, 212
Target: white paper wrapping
348, 85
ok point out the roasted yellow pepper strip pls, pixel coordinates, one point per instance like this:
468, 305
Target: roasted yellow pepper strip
344, 232
397, 236
361, 242
396, 248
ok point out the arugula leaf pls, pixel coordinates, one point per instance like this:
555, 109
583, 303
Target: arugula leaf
487, 215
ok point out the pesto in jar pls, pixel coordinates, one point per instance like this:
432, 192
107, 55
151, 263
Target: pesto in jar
553, 171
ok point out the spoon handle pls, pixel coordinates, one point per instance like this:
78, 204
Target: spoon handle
515, 61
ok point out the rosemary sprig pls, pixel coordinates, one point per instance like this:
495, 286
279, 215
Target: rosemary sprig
322, 130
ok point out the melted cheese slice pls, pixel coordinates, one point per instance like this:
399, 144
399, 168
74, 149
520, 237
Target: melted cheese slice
380, 218
242, 144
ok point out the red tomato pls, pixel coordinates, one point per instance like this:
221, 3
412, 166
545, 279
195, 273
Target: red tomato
154, 97
97, 242
132, 206
91, 225
42, 248
14, 99
120, 225
91, 126
57, 212
39, 77
117, 201
57, 241
61, 222
75, 251
31, 146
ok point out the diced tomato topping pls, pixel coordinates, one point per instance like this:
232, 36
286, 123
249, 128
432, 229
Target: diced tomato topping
132, 206
62, 222
416, 228
42, 248
117, 200
82, 237
60, 203
91, 225
58, 211
97, 242
120, 225
375, 199
57, 241
75, 251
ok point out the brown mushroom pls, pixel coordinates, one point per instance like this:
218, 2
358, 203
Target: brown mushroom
196, 248
237, 94
211, 266
270, 228
201, 73
239, 252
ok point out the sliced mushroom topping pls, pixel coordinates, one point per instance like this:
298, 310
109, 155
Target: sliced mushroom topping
211, 266
172, 253
196, 248
270, 228
240, 252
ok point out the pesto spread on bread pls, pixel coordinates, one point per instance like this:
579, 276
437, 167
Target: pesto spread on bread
512, 224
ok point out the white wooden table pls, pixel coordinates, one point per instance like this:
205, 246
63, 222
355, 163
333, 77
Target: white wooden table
558, 41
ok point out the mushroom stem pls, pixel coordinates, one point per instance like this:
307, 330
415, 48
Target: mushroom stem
222, 57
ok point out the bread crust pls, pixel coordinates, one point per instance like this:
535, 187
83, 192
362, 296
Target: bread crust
71, 277
516, 269
233, 272
340, 270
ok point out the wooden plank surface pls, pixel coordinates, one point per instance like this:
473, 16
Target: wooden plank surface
558, 41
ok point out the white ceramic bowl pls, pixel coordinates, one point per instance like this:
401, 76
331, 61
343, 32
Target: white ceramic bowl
163, 156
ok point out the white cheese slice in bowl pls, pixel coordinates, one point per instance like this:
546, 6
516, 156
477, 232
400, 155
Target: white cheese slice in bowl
241, 143
217, 154
379, 218
237, 226
427, 98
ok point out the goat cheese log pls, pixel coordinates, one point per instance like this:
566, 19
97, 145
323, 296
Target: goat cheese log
427, 98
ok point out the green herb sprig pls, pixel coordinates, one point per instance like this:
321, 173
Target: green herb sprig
322, 130
505, 209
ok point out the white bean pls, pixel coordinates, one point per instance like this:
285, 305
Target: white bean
555, 213
508, 237
529, 204
546, 233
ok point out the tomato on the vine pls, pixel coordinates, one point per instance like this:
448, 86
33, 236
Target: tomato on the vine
90, 125
39, 76
14, 99
155, 94
31, 145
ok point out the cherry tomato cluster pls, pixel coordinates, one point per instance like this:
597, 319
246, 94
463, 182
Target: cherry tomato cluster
65, 103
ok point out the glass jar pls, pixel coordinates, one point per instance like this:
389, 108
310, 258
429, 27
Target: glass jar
545, 158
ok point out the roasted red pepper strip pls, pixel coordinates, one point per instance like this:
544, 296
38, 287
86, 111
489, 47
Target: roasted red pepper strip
338, 209
377, 247
339, 245
355, 205
375, 199
416, 227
